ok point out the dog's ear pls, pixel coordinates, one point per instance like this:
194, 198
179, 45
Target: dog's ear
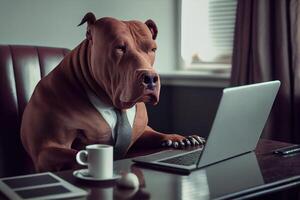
152, 27
90, 19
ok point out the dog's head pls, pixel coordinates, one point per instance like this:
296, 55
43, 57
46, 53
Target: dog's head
122, 55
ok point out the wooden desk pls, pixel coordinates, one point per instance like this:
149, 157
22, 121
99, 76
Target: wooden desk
262, 175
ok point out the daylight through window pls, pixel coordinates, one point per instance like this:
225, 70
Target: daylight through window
207, 31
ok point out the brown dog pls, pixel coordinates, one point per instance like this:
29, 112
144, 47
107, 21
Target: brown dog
113, 65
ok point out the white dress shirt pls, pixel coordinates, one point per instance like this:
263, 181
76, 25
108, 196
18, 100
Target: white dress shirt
109, 114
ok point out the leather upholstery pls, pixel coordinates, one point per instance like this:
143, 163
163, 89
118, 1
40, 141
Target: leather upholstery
21, 67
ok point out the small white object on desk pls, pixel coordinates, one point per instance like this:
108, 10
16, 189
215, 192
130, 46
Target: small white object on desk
128, 181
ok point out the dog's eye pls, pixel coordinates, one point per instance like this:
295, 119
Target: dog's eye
121, 48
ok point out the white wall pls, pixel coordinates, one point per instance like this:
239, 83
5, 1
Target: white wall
54, 22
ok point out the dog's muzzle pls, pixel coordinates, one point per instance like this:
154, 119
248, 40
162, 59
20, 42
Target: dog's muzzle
150, 81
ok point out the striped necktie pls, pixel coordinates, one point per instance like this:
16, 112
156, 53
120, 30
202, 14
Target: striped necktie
123, 135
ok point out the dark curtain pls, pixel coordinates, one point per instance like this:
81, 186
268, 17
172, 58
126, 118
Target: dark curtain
266, 47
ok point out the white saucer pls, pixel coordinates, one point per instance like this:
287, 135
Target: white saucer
84, 175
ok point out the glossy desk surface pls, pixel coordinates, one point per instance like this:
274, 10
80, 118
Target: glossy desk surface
259, 175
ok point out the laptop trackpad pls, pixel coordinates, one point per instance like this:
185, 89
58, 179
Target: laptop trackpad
160, 155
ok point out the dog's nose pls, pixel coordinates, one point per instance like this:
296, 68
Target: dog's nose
150, 81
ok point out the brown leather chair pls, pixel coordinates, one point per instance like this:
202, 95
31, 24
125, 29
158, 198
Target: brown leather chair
21, 67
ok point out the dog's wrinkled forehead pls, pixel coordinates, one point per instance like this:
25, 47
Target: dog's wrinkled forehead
114, 28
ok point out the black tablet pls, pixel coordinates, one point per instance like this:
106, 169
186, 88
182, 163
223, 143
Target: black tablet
39, 186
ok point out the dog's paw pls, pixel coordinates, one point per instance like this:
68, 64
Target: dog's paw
178, 141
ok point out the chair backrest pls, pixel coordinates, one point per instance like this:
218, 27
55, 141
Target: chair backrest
21, 67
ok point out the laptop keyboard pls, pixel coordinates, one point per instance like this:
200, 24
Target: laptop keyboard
186, 159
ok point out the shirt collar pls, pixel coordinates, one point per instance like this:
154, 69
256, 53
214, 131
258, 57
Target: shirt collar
97, 102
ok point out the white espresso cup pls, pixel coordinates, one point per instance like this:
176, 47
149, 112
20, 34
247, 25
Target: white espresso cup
99, 159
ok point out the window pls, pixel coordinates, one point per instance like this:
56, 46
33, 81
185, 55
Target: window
207, 30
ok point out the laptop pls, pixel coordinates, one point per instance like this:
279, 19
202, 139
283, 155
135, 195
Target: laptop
236, 129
